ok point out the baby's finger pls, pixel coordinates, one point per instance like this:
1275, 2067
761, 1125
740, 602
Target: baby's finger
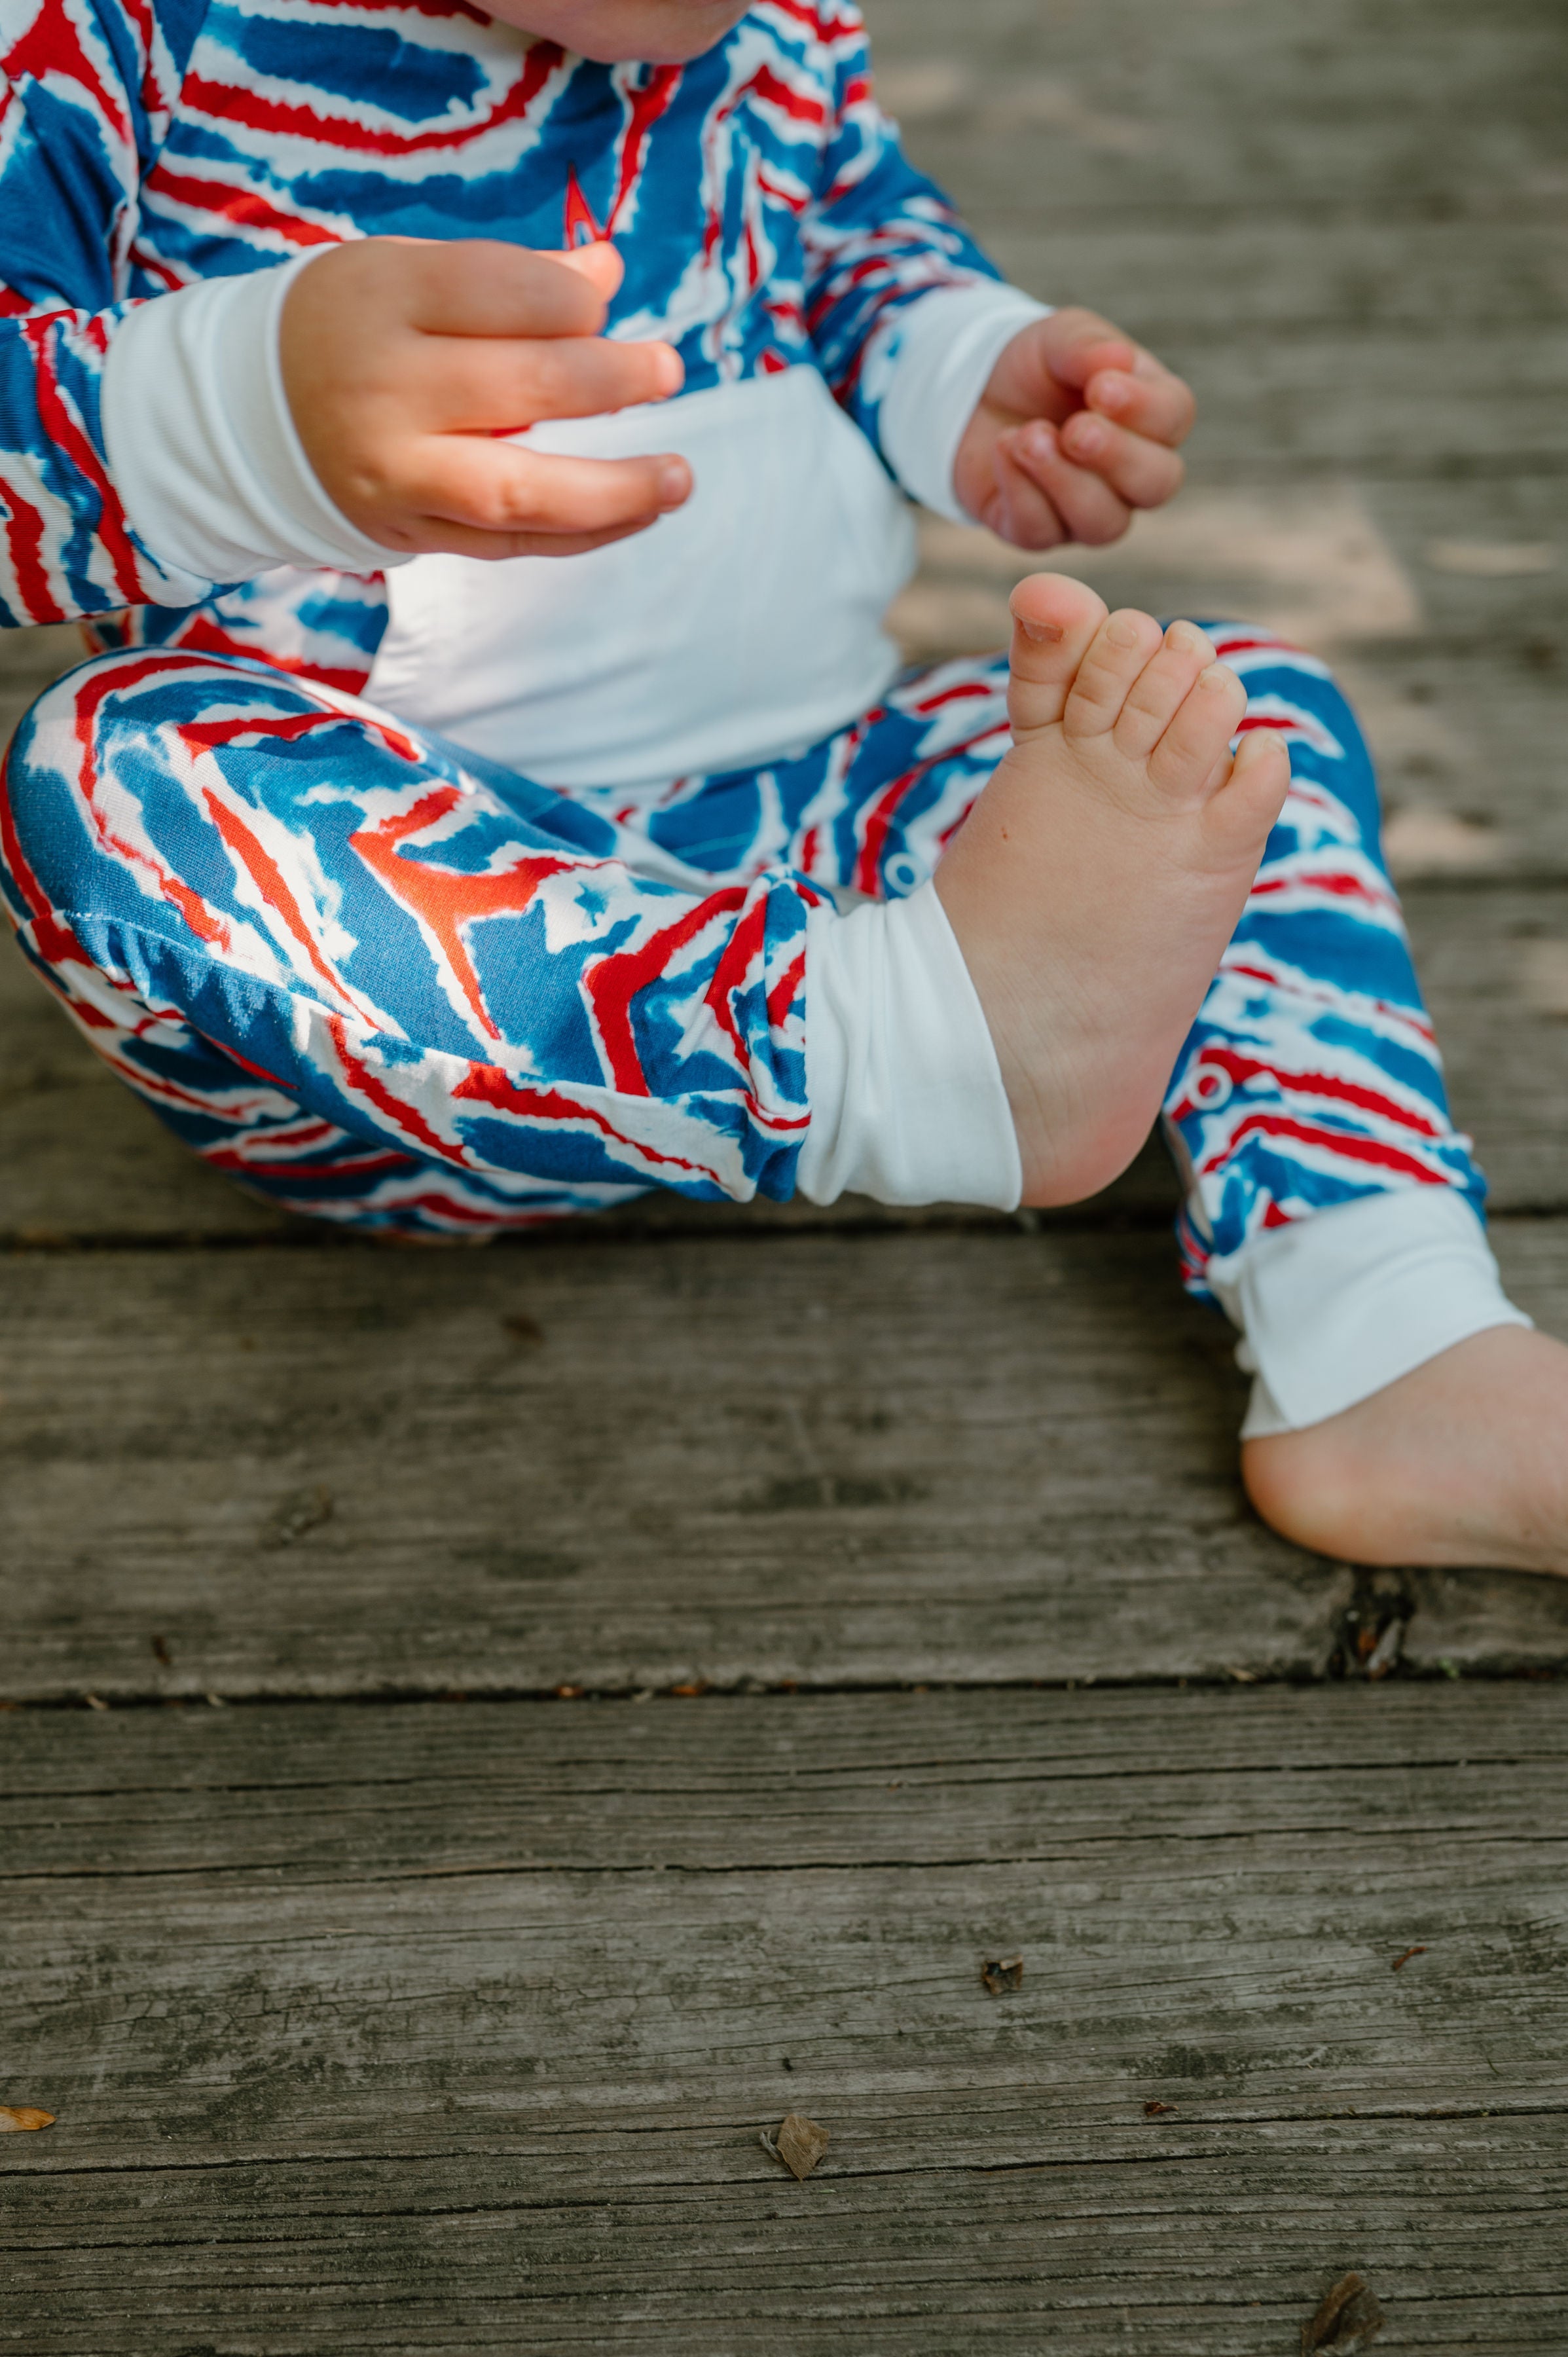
432, 534
495, 487
1089, 508
1019, 511
1146, 399
478, 286
599, 263
1144, 474
492, 384
1076, 343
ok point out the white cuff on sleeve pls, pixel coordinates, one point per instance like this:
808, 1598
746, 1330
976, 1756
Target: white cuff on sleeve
908, 1104
1337, 1306
202, 449
938, 359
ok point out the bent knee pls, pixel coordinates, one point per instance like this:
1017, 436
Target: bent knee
83, 765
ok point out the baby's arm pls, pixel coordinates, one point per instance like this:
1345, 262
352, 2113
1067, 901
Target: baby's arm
81, 114
157, 448
961, 381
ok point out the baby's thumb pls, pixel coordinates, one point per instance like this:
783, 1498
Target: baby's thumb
599, 263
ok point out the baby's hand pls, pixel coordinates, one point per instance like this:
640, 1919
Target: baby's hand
403, 360
1078, 426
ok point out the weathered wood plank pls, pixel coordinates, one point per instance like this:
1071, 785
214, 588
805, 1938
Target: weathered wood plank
878, 1458
763, 1782
1205, 2244
862, 1419
340, 2076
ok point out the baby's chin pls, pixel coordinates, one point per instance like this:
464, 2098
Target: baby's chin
624, 32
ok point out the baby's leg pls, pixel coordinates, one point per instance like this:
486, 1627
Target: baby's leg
1101, 872
376, 980
1095, 852
1462, 1461
1335, 1210
1332, 1206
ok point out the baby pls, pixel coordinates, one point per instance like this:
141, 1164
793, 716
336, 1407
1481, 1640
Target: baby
423, 891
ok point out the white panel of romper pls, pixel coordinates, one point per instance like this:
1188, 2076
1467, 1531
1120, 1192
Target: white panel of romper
745, 626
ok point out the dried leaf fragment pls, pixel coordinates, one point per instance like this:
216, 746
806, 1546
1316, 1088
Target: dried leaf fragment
1001, 1973
523, 1328
1154, 2111
1406, 1957
17, 2117
1348, 2318
800, 2144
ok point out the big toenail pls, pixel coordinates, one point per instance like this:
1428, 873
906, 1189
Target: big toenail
1044, 634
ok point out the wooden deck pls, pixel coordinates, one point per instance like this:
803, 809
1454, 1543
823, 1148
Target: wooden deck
488, 1735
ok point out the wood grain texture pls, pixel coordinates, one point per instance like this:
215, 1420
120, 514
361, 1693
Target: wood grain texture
348, 2049
873, 1458
1200, 2244
940, 1777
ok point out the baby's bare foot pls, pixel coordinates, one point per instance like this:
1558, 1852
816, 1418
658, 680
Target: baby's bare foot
1463, 1462
1100, 875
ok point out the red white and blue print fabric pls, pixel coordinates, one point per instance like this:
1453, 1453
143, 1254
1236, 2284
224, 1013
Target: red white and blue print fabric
380, 980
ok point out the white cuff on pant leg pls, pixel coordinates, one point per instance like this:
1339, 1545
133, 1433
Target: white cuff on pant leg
908, 1104
1335, 1305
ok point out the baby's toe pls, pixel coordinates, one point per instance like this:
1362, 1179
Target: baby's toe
1190, 757
1115, 658
1255, 790
1054, 620
1156, 694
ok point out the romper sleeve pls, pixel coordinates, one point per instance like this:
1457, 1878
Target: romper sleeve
86, 87
907, 316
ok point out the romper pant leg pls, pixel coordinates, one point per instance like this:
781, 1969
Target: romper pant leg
1312, 1076
379, 980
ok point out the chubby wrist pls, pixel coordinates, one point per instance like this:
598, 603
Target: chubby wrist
201, 445
942, 350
